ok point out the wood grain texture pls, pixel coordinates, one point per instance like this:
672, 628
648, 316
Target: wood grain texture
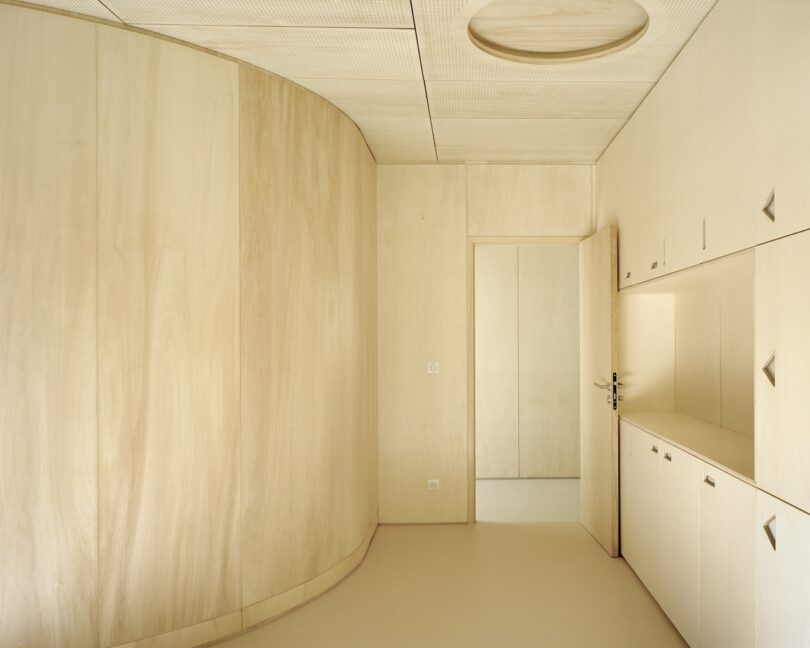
728, 516
647, 352
169, 484
679, 566
280, 604
599, 425
737, 356
496, 362
556, 30
548, 279
725, 449
514, 200
48, 549
697, 355
308, 336
781, 323
781, 52
782, 575
199, 634
422, 272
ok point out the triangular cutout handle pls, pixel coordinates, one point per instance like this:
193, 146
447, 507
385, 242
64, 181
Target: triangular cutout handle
769, 369
770, 531
770, 206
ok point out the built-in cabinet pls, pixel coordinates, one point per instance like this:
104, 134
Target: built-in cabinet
782, 574
782, 361
689, 528
715, 159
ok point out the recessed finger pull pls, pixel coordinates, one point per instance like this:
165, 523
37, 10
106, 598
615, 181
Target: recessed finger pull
668, 456
769, 209
769, 369
770, 531
654, 449
709, 480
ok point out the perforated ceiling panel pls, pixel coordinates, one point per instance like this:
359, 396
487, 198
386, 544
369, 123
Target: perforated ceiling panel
316, 53
470, 99
87, 7
414, 82
372, 98
539, 154
448, 53
525, 132
297, 13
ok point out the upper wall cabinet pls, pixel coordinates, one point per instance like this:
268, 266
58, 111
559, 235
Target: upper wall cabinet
782, 358
780, 116
729, 199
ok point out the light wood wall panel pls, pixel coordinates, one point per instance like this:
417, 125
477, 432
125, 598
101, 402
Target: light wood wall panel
47, 331
737, 356
496, 362
697, 355
529, 200
169, 484
647, 352
308, 336
548, 277
422, 270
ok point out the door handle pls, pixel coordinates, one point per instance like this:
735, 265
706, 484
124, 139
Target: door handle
768, 527
601, 385
709, 480
668, 457
654, 449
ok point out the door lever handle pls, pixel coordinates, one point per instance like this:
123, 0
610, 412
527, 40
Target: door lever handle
601, 385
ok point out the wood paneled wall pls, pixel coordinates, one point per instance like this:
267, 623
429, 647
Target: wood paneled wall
308, 336
47, 331
526, 361
422, 275
168, 336
225, 461
427, 215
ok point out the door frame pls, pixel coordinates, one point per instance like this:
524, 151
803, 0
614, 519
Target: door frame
472, 243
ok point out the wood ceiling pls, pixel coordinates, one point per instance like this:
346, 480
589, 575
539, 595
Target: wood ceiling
407, 73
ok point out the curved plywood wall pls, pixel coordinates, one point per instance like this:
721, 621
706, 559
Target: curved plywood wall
187, 340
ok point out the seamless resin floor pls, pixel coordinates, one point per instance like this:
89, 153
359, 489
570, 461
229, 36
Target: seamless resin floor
488, 585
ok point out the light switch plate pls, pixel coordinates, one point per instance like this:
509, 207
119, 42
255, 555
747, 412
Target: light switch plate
434, 485
433, 367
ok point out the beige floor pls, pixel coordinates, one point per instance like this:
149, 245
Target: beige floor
488, 585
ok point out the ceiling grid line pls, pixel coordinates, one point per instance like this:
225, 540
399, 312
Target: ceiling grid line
409, 75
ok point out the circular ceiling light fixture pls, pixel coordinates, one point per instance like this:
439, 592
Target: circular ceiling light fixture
557, 31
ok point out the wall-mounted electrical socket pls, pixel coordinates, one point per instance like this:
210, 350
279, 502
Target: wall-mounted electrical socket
434, 485
433, 367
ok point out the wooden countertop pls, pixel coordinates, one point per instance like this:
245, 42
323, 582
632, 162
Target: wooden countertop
729, 451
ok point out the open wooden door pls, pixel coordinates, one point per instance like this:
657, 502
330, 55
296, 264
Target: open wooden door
599, 421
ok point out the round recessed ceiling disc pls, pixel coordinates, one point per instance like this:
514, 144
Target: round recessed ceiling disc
556, 31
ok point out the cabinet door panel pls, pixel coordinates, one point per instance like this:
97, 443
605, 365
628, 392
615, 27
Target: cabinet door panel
627, 490
679, 541
782, 322
725, 127
727, 524
646, 475
782, 575
782, 104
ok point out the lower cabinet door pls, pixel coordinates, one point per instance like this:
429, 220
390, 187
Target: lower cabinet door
679, 570
782, 575
646, 490
627, 509
728, 514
